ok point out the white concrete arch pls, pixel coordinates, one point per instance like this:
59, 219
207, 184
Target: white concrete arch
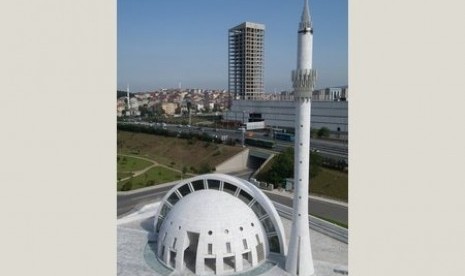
248, 217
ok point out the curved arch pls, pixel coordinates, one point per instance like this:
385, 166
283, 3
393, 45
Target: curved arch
260, 204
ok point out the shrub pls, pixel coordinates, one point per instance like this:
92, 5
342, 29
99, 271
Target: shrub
205, 168
323, 132
151, 182
127, 186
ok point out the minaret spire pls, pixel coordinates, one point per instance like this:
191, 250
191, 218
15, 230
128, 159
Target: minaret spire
299, 259
305, 14
129, 103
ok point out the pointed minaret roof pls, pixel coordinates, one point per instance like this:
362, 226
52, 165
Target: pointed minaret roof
305, 13
305, 21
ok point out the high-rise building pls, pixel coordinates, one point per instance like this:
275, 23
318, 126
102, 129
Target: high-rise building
246, 58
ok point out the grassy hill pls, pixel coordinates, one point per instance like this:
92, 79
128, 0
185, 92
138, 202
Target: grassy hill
328, 183
196, 156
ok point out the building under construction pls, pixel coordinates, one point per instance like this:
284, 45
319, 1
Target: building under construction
246, 58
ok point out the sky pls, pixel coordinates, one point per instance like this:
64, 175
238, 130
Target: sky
162, 43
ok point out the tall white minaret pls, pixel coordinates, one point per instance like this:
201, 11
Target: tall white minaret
299, 259
129, 102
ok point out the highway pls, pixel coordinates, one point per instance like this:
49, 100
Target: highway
320, 208
316, 207
129, 200
326, 148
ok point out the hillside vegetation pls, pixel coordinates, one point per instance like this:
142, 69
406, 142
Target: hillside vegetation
190, 155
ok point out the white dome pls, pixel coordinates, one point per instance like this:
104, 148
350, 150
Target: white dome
211, 210
216, 224
209, 225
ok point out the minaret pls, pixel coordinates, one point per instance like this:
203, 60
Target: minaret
129, 102
299, 258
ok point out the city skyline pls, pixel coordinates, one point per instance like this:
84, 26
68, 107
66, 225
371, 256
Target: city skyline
163, 44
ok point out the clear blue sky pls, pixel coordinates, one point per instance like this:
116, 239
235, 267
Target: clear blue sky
164, 42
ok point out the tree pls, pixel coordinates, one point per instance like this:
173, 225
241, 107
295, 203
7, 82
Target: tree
184, 171
323, 132
205, 168
283, 167
158, 109
313, 132
315, 164
178, 109
127, 186
149, 183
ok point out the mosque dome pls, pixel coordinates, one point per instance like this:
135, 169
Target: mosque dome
217, 224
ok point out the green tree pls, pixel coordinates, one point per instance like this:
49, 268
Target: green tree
283, 167
151, 182
315, 164
323, 132
205, 168
127, 186
184, 171
313, 132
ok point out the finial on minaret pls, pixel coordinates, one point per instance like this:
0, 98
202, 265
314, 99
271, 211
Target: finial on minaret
305, 12
305, 21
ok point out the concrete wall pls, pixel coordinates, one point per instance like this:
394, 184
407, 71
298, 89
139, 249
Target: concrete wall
262, 166
281, 114
236, 163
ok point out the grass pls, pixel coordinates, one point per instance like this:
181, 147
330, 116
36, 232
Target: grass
330, 183
131, 164
175, 152
154, 176
122, 175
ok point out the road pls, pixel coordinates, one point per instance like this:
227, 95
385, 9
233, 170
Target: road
329, 149
317, 207
127, 201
